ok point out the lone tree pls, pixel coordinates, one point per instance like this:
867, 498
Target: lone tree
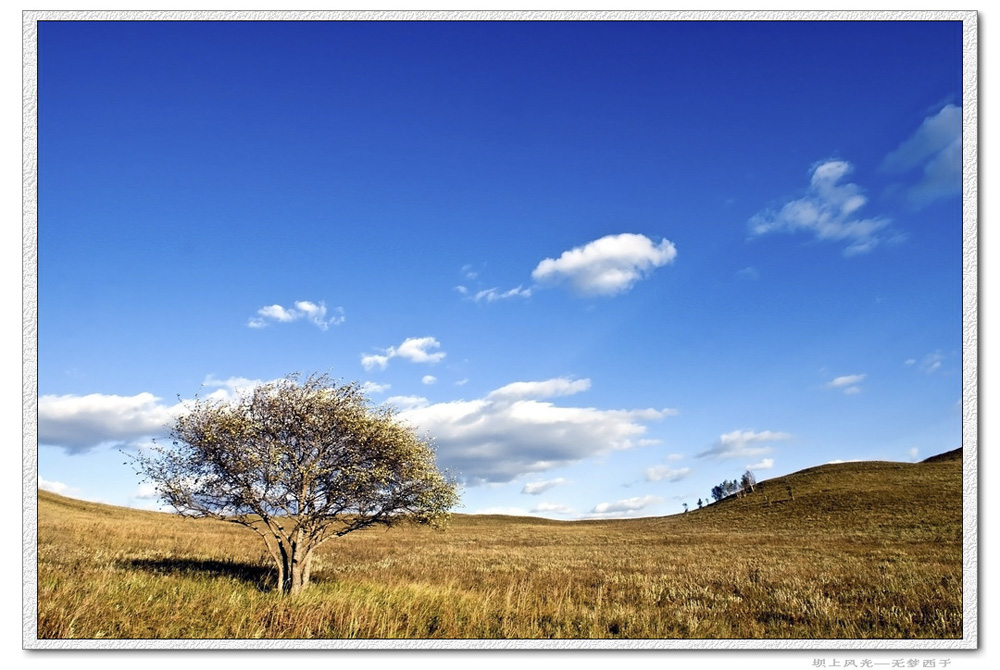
298, 463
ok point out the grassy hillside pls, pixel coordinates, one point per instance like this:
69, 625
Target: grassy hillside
857, 550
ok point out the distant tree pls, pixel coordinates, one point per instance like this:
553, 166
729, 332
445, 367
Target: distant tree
718, 493
748, 481
298, 463
685, 507
699, 503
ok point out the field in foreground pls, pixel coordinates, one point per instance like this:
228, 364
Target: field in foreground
859, 550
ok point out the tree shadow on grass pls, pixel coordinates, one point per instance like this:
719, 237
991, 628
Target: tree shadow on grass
260, 576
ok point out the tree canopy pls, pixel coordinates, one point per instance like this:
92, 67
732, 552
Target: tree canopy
298, 462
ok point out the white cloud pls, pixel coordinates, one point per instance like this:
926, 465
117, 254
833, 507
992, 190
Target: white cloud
313, 312
663, 472
551, 508
494, 294
413, 349
54, 487
607, 266
231, 387
743, 444
537, 488
416, 349
627, 505
828, 211
506, 435
507, 511
931, 362
936, 150
847, 383
372, 387
763, 464
913, 453
406, 402
748, 273
428, 379
146, 491
549, 388
80, 423
369, 361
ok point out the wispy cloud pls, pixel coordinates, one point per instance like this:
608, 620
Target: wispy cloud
537, 488
928, 364
607, 266
551, 508
627, 505
849, 384
763, 464
935, 151
427, 380
550, 388
54, 487
413, 349
372, 387
314, 312
406, 402
828, 211
494, 294
512, 432
666, 473
743, 444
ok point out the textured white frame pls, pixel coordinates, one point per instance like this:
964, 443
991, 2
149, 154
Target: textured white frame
970, 320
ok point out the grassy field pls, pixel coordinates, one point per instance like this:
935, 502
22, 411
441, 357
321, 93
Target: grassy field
859, 550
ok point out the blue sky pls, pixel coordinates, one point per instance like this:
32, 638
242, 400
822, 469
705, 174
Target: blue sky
604, 265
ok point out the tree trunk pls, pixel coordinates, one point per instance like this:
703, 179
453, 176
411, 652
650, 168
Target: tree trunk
293, 569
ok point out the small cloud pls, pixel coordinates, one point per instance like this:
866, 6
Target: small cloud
627, 505
369, 361
428, 379
913, 454
494, 294
146, 491
551, 508
932, 362
607, 266
461, 382
507, 511
847, 383
743, 444
413, 349
748, 274
763, 464
463, 290
372, 387
662, 472
407, 402
313, 312
228, 389
935, 149
828, 211
54, 487
550, 388
537, 488
910, 361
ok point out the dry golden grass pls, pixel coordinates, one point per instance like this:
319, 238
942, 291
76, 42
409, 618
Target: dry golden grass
864, 550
